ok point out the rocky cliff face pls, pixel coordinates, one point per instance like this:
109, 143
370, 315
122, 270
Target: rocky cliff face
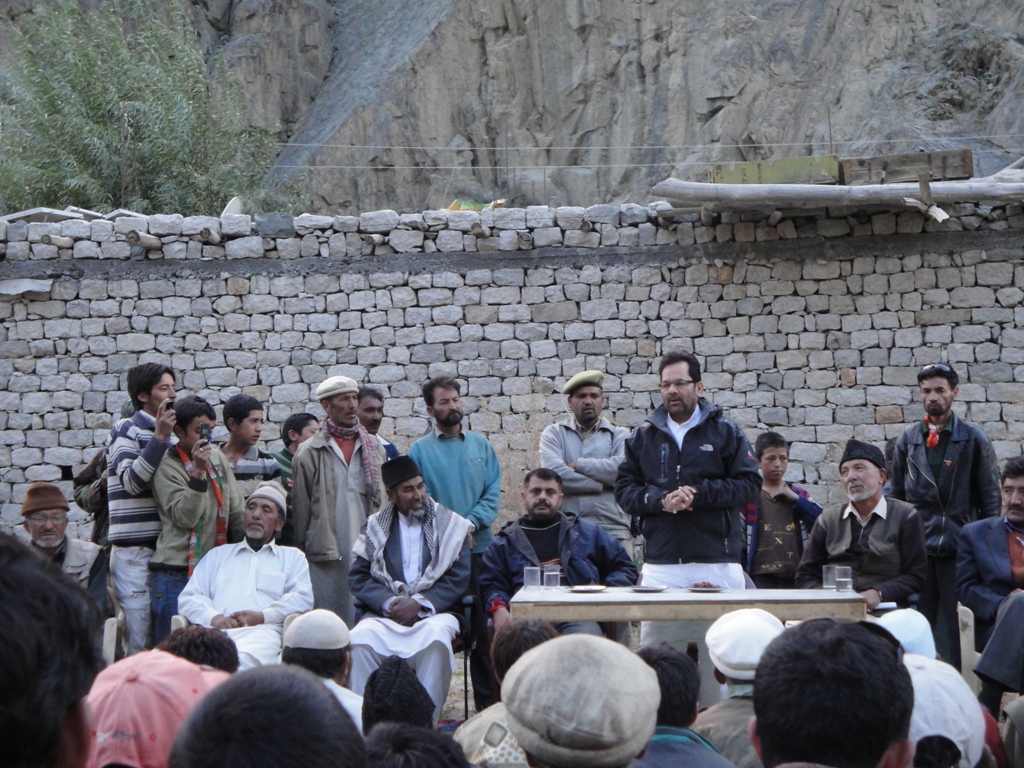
408, 104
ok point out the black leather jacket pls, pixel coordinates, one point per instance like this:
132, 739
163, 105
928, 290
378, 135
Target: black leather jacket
967, 488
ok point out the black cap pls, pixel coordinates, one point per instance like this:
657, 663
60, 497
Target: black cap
398, 470
855, 449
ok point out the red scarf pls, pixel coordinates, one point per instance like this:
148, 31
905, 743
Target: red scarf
195, 543
371, 469
933, 433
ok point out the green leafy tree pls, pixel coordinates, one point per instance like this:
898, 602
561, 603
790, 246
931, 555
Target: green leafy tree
112, 107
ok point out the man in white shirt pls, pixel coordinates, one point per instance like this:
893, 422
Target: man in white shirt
247, 589
411, 567
319, 642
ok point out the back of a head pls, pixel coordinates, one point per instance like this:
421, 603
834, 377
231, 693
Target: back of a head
679, 682
831, 692
47, 657
945, 710
393, 694
516, 637
269, 717
580, 700
390, 745
203, 646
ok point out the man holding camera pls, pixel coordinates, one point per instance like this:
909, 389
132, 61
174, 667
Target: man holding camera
199, 503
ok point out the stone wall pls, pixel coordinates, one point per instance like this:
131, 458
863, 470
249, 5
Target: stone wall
818, 337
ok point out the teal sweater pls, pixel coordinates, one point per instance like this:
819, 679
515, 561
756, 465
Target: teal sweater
462, 473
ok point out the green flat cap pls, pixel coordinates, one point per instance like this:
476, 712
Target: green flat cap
583, 379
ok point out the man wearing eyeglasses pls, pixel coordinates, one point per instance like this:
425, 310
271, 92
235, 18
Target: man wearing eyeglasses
946, 468
687, 473
46, 521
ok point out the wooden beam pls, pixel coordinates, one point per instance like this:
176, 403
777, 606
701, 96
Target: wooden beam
145, 240
754, 196
944, 165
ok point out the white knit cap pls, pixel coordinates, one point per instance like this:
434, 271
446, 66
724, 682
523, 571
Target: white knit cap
913, 631
737, 640
271, 491
945, 706
317, 630
335, 385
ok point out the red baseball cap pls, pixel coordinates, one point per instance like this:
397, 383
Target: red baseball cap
138, 705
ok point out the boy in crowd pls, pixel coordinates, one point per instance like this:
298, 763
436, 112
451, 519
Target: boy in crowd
778, 520
243, 417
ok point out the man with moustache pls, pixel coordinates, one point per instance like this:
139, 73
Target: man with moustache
411, 571
586, 450
336, 486
461, 471
687, 473
548, 535
990, 581
882, 539
247, 589
371, 414
946, 467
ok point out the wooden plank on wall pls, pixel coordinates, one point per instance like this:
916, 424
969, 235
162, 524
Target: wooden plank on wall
945, 165
821, 169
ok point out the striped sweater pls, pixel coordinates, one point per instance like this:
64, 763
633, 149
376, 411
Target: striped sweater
132, 458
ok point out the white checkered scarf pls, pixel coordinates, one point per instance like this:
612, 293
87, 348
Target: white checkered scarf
445, 533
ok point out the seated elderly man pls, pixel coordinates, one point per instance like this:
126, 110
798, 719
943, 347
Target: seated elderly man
46, 521
545, 535
247, 589
990, 581
411, 568
881, 538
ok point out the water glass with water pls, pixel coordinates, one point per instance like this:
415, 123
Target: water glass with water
844, 578
552, 576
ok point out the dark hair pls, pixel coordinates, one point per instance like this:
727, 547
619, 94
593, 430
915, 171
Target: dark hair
238, 408
321, 662
939, 370
671, 358
393, 694
390, 745
373, 392
679, 681
542, 473
936, 752
1013, 468
142, 379
890, 451
831, 692
203, 646
768, 440
47, 657
188, 409
277, 716
516, 637
295, 423
439, 382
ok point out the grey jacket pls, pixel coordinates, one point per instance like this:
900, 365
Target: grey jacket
590, 488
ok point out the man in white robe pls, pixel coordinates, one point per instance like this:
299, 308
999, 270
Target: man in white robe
411, 568
247, 589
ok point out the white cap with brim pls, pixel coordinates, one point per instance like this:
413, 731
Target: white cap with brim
317, 630
737, 640
336, 385
945, 706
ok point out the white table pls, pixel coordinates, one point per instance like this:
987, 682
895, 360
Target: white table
678, 604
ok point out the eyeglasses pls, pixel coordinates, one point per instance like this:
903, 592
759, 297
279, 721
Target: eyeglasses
678, 383
55, 518
937, 367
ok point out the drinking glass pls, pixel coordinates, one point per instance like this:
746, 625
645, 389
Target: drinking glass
531, 577
828, 577
844, 578
552, 576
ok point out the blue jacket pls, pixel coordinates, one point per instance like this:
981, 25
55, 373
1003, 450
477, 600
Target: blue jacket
806, 511
589, 555
984, 576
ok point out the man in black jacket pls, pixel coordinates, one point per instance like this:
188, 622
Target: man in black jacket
687, 473
946, 468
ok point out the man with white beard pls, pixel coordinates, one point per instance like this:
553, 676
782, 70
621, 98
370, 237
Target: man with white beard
881, 538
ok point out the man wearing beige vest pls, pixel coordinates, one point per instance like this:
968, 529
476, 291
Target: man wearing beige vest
880, 538
46, 521
336, 486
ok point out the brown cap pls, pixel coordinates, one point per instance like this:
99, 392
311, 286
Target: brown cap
42, 497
